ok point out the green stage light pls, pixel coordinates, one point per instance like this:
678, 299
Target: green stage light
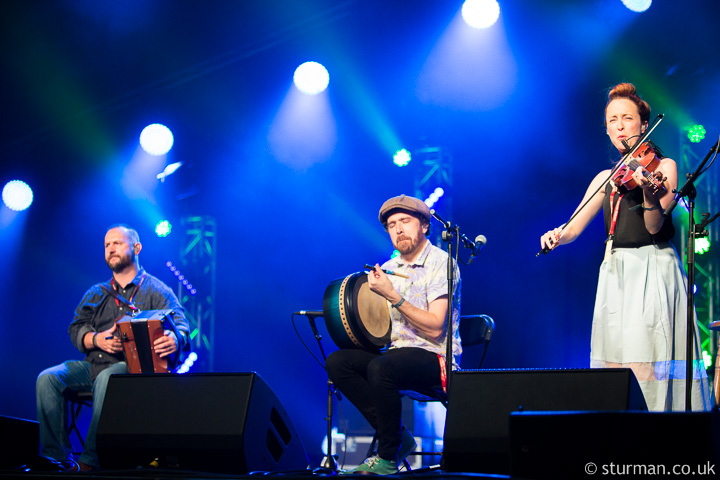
401, 158
707, 359
702, 245
696, 133
163, 228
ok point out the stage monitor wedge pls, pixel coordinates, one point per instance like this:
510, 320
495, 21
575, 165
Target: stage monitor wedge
477, 428
19, 441
207, 422
628, 445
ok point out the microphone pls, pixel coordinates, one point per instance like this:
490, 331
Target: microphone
310, 313
478, 244
625, 143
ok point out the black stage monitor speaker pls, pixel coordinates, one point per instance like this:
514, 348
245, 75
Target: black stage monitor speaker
19, 441
572, 445
477, 427
207, 422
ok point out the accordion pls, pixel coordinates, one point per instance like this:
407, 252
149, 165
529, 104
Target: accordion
138, 333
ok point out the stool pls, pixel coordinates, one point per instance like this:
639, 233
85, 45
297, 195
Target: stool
76, 401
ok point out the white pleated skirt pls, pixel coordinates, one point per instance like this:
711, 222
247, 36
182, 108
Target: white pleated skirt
640, 322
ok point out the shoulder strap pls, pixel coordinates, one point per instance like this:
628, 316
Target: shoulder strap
120, 298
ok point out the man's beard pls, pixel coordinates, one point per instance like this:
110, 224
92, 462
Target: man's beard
124, 261
408, 244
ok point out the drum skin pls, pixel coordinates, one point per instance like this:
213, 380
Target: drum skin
355, 316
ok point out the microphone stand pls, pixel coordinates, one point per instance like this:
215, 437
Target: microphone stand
694, 230
328, 462
447, 236
471, 245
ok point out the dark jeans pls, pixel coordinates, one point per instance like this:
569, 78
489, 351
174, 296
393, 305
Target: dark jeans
372, 382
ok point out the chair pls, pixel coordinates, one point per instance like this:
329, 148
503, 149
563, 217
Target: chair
76, 401
476, 331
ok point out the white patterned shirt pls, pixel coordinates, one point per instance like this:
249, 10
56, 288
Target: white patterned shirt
427, 282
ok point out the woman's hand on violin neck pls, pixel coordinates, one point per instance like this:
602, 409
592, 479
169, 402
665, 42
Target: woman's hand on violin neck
640, 179
652, 184
654, 188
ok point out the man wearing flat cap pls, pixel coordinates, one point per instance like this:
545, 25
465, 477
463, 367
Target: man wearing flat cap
415, 357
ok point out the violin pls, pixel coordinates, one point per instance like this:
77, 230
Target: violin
644, 156
623, 175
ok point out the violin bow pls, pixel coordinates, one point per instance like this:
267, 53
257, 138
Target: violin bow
617, 166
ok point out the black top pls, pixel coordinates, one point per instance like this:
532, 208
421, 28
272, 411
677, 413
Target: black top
630, 231
98, 310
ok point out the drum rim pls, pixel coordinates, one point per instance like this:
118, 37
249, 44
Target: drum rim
346, 306
357, 335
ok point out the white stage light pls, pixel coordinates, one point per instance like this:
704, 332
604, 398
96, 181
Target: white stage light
480, 13
311, 78
17, 195
156, 139
637, 5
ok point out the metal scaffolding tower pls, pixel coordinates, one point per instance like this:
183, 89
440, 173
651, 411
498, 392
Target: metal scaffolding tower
434, 170
198, 265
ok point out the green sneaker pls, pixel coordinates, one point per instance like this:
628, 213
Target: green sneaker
377, 466
407, 446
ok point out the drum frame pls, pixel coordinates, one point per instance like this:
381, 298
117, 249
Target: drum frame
339, 308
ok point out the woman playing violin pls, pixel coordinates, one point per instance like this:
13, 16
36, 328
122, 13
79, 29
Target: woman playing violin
639, 321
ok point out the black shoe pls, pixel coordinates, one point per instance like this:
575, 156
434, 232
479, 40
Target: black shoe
69, 466
47, 464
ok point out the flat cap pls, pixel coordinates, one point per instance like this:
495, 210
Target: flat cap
403, 202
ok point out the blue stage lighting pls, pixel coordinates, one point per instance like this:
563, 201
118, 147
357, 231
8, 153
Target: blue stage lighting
480, 13
181, 278
169, 170
188, 363
311, 78
156, 139
17, 195
637, 5
434, 197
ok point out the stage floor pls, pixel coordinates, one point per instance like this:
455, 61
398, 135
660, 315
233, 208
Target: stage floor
148, 474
